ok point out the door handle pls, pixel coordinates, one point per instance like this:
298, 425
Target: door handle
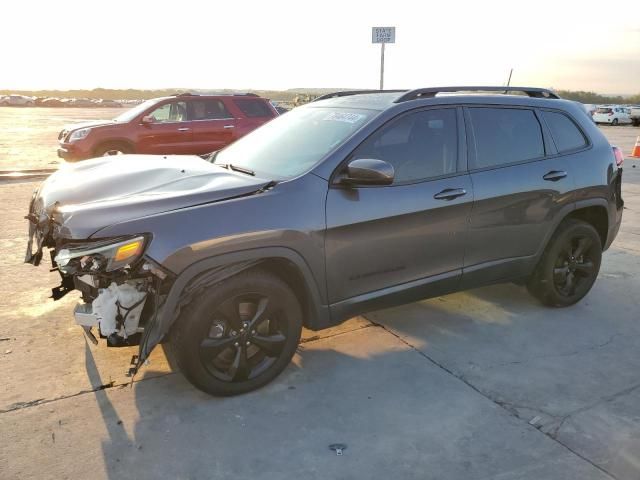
555, 175
184, 129
450, 193
229, 126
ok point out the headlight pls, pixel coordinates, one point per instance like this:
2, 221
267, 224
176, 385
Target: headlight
79, 134
101, 256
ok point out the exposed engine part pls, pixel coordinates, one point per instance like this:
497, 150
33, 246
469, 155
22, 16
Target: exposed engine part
115, 311
115, 340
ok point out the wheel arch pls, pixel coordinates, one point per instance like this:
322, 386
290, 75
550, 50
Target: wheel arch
595, 215
287, 264
114, 141
591, 210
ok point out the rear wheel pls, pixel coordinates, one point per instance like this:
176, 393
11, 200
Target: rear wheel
109, 149
615, 121
238, 335
569, 266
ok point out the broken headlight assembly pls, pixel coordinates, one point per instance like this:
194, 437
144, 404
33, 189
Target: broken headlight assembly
101, 256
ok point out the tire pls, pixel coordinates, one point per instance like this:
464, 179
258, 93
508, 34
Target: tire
615, 122
569, 265
238, 335
108, 149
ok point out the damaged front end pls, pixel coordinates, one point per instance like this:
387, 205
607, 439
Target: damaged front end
121, 289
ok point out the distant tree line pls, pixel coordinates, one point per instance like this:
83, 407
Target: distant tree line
596, 98
137, 94
280, 95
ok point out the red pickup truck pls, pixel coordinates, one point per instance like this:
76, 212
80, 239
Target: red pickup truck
182, 124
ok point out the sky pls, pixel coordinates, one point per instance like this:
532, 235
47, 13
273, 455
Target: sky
239, 44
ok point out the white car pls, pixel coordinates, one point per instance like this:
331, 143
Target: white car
17, 101
612, 115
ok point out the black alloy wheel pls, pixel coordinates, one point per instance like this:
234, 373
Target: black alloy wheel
245, 338
238, 335
575, 266
569, 265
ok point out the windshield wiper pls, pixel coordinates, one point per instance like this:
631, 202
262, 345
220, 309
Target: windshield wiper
236, 168
210, 157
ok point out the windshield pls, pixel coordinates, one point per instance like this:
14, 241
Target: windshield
294, 142
135, 111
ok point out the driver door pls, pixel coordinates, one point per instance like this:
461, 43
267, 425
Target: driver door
406, 239
169, 132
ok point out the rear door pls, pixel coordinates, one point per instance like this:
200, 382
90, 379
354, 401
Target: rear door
170, 131
212, 124
386, 236
254, 111
520, 184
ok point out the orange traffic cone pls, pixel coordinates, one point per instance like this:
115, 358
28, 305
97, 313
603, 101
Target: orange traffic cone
636, 150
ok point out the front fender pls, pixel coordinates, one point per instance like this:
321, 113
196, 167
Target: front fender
210, 271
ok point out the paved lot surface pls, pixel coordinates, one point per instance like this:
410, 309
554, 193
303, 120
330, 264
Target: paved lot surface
476, 385
28, 136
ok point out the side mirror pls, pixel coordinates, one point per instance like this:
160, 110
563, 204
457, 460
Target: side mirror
147, 119
368, 171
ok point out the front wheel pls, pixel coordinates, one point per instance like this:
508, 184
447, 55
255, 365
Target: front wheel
569, 266
615, 122
109, 149
238, 335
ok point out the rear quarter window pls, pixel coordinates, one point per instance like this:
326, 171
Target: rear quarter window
566, 134
254, 108
504, 136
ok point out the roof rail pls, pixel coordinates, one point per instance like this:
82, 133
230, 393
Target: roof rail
433, 91
347, 93
189, 94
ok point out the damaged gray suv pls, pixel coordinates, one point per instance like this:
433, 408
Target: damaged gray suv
355, 202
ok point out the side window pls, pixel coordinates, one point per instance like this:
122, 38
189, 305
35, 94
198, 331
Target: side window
566, 135
208, 110
254, 108
419, 145
505, 135
170, 112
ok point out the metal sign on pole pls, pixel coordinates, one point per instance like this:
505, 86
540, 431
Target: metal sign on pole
383, 35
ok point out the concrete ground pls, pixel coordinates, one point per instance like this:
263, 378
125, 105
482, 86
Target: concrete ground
476, 385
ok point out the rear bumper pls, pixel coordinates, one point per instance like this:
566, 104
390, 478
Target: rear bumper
614, 227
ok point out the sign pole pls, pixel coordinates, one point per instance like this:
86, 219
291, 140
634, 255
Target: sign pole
383, 35
382, 66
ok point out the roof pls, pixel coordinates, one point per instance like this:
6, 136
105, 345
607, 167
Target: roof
381, 100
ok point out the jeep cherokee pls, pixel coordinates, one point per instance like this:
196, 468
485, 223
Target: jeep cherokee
182, 124
357, 201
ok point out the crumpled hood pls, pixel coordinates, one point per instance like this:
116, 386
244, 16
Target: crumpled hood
90, 195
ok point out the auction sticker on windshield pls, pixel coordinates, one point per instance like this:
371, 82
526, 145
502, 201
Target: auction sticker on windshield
344, 117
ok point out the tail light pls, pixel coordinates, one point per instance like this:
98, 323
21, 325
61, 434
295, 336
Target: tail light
619, 156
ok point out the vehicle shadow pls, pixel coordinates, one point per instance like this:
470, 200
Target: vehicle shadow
116, 434
498, 338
